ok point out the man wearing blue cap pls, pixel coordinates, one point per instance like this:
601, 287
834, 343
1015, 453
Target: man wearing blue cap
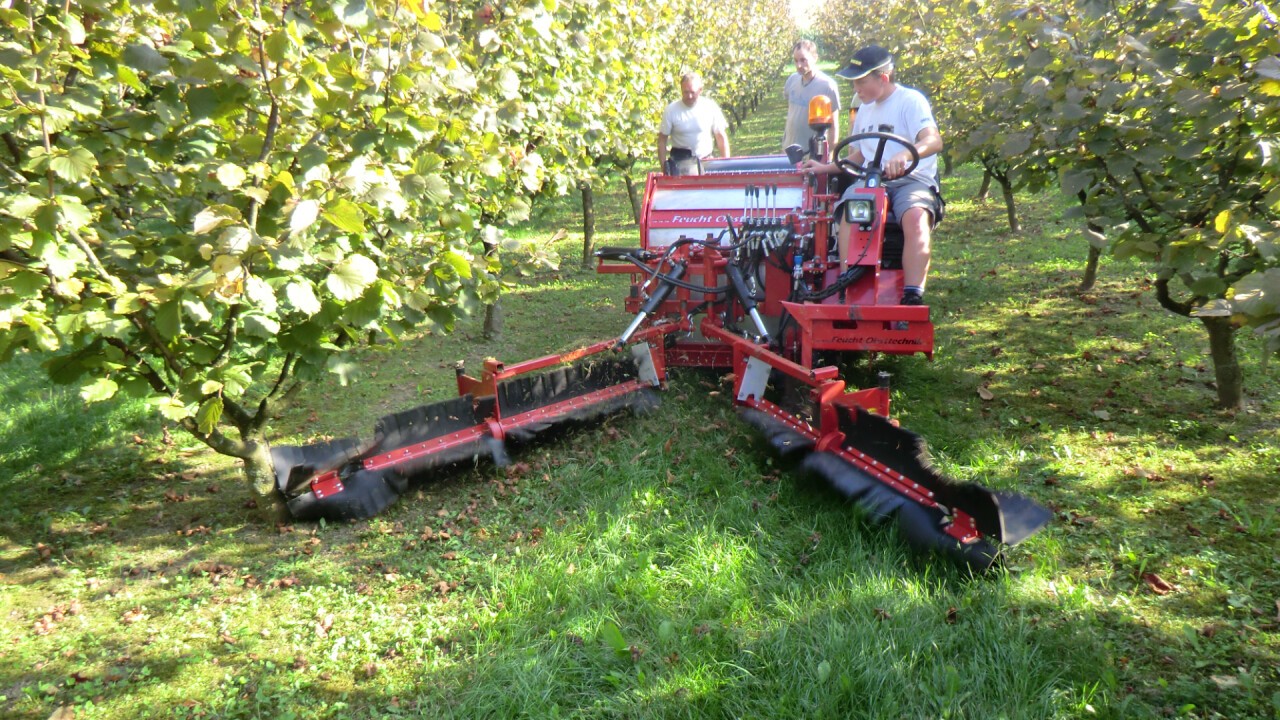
898, 109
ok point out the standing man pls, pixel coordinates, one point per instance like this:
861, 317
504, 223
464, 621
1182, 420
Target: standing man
914, 199
806, 83
691, 123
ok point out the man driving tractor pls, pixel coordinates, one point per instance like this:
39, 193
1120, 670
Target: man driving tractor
888, 107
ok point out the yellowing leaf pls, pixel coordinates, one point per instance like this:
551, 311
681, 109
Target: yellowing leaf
1222, 221
214, 217
231, 176
986, 394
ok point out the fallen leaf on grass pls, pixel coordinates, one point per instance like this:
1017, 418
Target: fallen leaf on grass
1225, 682
951, 615
323, 624
63, 713
1157, 584
133, 615
986, 394
1102, 414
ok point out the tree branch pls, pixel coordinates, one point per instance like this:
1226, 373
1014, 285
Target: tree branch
1166, 300
152, 377
171, 362
268, 406
1130, 209
230, 330
216, 440
12, 145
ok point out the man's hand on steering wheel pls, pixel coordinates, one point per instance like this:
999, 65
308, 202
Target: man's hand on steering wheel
899, 165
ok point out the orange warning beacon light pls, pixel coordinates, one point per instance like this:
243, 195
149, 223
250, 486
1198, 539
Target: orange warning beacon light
820, 115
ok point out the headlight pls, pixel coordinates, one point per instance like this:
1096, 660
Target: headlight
857, 211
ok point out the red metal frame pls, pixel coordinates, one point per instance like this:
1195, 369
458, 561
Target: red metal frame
866, 317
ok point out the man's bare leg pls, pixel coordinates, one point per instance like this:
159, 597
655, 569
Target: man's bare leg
916, 237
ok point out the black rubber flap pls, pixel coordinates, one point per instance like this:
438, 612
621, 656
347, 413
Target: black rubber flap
922, 527
1008, 517
531, 392
781, 436
364, 494
295, 464
528, 392
425, 422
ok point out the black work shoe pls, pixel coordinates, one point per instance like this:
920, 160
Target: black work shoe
911, 299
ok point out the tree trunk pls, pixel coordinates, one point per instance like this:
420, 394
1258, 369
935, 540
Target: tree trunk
946, 164
1090, 269
1006, 188
588, 223
492, 320
633, 192
985, 191
1226, 365
492, 313
259, 471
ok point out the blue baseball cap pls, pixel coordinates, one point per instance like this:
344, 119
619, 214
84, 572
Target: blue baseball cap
865, 61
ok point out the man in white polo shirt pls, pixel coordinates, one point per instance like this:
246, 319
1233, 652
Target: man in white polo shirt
690, 124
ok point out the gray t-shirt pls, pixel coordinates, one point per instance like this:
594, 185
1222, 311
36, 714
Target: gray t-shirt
798, 95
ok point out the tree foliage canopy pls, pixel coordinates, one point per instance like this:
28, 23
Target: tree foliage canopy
206, 204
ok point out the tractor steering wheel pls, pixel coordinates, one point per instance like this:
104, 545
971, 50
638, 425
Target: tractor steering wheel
857, 170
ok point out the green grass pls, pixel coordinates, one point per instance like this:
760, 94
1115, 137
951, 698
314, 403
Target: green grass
667, 565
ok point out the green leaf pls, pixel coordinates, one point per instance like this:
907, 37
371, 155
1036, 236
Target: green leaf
74, 214
351, 276
20, 205
436, 189
169, 319
172, 408
341, 366
145, 58
460, 263
261, 326
261, 294
302, 297
209, 414
303, 216
99, 390
78, 164
611, 636
345, 215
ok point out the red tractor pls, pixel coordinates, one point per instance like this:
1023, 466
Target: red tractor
753, 268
